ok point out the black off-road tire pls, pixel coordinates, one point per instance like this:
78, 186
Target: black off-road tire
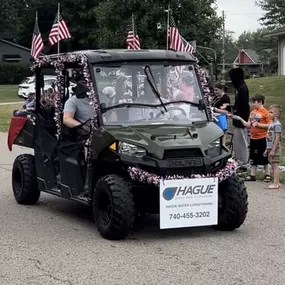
24, 180
234, 199
113, 207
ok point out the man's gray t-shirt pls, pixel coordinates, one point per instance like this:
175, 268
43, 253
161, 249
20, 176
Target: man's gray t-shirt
81, 108
274, 127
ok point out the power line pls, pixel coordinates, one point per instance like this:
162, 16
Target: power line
242, 14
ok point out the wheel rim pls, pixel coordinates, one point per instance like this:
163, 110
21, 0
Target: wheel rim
105, 206
18, 181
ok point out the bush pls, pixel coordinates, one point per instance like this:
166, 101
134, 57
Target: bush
14, 73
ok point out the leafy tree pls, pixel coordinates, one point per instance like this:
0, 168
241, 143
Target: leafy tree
259, 41
104, 23
78, 14
274, 13
9, 16
231, 50
196, 20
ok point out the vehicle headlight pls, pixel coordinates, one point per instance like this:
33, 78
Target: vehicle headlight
130, 149
214, 148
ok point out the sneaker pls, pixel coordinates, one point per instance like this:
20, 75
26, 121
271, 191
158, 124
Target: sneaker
242, 169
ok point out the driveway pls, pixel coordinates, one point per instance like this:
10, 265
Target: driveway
56, 243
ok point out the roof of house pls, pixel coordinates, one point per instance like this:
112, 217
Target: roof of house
14, 44
278, 32
252, 54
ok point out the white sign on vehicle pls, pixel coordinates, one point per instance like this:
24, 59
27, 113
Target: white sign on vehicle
188, 203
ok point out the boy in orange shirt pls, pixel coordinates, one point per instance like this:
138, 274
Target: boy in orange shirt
258, 123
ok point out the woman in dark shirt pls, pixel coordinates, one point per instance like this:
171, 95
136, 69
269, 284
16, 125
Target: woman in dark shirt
221, 100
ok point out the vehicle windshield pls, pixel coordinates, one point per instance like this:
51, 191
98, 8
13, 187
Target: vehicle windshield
127, 95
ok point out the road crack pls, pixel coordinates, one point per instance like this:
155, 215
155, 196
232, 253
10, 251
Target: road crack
39, 266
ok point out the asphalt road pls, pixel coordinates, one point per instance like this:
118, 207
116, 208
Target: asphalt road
56, 243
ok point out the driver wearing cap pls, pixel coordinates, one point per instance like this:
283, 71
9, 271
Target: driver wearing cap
77, 109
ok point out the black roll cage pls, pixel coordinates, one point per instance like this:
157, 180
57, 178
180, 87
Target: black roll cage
38, 79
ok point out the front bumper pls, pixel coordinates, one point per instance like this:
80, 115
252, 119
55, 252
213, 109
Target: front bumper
142, 176
187, 166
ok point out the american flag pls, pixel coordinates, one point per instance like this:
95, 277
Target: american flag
188, 47
176, 42
133, 40
37, 41
59, 30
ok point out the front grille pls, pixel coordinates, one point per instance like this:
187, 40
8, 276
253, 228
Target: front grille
182, 153
187, 172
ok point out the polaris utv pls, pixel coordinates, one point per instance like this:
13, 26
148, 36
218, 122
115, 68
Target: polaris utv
151, 150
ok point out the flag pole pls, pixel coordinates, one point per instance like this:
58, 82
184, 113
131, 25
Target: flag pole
58, 43
168, 19
36, 16
34, 28
133, 24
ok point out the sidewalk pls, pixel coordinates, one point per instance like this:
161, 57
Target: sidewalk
11, 103
7, 157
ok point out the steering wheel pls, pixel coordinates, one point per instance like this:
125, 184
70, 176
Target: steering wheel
171, 109
83, 126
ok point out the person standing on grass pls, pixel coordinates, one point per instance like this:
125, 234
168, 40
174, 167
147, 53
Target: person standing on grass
258, 123
273, 150
241, 109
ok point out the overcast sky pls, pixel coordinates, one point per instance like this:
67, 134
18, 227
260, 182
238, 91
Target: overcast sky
241, 15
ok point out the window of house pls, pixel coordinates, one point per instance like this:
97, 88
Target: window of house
12, 57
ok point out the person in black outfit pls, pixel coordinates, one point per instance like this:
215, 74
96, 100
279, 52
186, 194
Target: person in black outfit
241, 108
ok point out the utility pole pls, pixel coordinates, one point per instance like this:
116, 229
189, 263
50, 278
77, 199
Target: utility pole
168, 11
215, 58
223, 50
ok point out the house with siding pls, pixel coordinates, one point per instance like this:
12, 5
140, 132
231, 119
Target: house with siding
250, 61
12, 52
279, 34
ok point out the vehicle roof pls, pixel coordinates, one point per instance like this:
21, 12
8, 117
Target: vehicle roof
111, 55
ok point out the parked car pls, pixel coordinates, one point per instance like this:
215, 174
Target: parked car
28, 85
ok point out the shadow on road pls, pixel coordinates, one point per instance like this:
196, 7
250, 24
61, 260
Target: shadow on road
145, 228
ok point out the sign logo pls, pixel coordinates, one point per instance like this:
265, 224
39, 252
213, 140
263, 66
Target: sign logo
169, 193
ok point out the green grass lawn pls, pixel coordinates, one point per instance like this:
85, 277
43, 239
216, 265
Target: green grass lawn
8, 93
5, 116
273, 88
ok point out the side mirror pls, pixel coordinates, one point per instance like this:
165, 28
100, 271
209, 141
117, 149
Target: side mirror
103, 107
202, 105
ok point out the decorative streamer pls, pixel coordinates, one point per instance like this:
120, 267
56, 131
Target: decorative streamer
151, 178
58, 63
